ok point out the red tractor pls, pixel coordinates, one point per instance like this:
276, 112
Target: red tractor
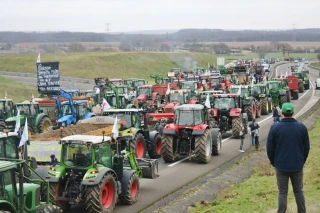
178, 97
145, 94
190, 134
228, 114
293, 84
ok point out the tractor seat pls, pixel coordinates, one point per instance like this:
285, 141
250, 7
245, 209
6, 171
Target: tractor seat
80, 159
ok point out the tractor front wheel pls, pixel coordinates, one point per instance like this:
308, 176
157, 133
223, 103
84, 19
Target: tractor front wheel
44, 125
155, 151
102, 198
236, 126
203, 147
55, 192
301, 88
168, 150
138, 145
47, 208
217, 144
132, 191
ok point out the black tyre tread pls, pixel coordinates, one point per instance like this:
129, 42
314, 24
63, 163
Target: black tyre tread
48, 208
236, 126
167, 150
212, 123
295, 96
44, 120
200, 147
283, 99
153, 153
270, 105
301, 88
215, 147
138, 137
264, 106
248, 109
128, 199
54, 194
258, 112
93, 201
288, 95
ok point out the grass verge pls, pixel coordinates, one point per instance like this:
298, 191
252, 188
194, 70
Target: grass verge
16, 91
259, 193
316, 65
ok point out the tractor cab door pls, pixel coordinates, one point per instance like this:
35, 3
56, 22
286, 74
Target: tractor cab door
8, 188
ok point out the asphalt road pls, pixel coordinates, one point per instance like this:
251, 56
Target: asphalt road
175, 175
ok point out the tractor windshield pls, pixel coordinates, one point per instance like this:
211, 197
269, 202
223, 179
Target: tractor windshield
139, 83
274, 86
124, 119
145, 90
27, 109
10, 148
103, 154
256, 90
81, 110
122, 90
112, 101
66, 109
76, 154
188, 117
7, 185
224, 103
176, 97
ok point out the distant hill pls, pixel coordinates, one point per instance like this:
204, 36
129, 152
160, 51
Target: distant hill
183, 35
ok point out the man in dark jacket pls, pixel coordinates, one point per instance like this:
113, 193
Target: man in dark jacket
288, 148
275, 114
252, 131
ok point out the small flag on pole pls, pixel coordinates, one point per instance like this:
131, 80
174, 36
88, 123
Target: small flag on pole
105, 105
115, 130
265, 80
38, 59
32, 98
207, 104
24, 137
17, 127
97, 91
168, 90
239, 91
286, 75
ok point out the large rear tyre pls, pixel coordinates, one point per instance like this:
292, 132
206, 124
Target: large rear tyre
48, 208
236, 126
168, 150
138, 145
288, 95
251, 111
132, 191
44, 125
258, 109
270, 105
203, 147
55, 192
264, 106
155, 151
301, 88
216, 143
103, 196
283, 99
295, 96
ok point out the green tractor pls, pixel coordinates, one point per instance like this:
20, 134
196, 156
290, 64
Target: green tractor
259, 92
278, 92
20, 194
6, 111
38, 122
249, 104
303, 80
93, 171
159, 79
134, 125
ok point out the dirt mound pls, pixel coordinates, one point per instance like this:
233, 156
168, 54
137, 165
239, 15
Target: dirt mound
70, 130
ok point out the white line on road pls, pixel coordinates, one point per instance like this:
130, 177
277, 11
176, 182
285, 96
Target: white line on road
181, 160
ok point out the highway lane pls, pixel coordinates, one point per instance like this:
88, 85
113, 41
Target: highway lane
175, 176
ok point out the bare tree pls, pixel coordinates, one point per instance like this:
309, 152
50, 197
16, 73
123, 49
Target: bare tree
262, 50
221, 48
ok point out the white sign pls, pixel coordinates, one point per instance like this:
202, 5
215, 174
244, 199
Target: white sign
220, 61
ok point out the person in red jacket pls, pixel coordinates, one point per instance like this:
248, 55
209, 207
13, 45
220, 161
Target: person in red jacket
288, 149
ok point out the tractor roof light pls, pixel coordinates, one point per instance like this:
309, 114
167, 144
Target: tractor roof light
52, 168
94, 172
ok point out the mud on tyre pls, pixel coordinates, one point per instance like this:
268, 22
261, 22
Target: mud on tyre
203, 147
44, 125
156, 145
47, 208
236, 126
168, 150
131, 192
138, 145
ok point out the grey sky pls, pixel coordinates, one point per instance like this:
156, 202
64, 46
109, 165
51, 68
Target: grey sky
133, 15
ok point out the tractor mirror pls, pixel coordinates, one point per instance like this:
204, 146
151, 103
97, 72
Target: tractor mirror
41, 111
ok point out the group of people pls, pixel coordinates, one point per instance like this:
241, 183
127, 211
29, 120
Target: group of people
254, 132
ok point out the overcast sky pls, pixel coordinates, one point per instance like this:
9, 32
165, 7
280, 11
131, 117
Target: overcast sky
134, 15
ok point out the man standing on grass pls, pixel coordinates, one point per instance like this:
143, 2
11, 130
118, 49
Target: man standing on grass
288, 148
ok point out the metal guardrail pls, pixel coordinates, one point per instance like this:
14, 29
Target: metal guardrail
62, 78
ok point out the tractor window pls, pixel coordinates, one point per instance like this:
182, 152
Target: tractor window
124, 119
146, 91
7, 185
188, 117
139, 83
75, 154
176, 97
274, 86
82, 110
24, 109
11, 148
256, 90
2, 148
223, 103
103, 154
66, 109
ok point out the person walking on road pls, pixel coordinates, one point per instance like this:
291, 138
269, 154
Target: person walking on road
252, 129
275, 114
242, 136
256, 136
288, 149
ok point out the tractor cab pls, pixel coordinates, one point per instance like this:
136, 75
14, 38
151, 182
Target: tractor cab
112, 100
6, 110
144, 93
189, 115
189, 85
245, 90
202, 95
180, 96
128, 118
8, 145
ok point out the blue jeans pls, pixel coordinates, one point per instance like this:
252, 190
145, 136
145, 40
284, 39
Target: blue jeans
252, 139
297, 185
275, 119
241, 144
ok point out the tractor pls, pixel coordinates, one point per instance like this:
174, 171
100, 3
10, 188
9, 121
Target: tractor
293, 84
146, 95
178, 97
227, 113
259, 92
20, 194
95, 171
134, 125
38, 122
6, 111
191, 135
278, 92
249, 104
302, 76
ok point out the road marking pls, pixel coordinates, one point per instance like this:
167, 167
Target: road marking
186, 158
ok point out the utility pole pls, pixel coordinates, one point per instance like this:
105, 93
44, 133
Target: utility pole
108, 31
294, 33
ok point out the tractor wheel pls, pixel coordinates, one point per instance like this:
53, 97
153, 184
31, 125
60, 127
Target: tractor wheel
212, 123
55, 192
48, 208
203, 147
258, 109
30, 130
264, 106
251, 111
283, 99
217, 144
236, 126
132, 191
301, 88
295, 96
138, 145
155, 151
102, 198
270, 105
168, 150
288, 95
307, 86
44, 125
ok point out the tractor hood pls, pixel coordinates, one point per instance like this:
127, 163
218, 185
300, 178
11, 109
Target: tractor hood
67, 119
142, 98
11, 121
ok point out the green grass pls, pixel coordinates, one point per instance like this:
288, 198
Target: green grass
317, 65
259, 193
16, 91
112, 65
